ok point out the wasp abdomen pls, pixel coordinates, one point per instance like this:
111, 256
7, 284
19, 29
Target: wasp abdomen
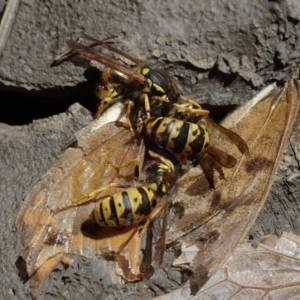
181, 138
124, 208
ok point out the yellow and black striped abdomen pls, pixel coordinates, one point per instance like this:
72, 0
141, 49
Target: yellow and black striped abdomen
124, 208
182, 139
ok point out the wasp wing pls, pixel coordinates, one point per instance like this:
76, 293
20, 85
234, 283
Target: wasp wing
232, 136
224, 159
113, 49
216, 220
266, 272
70, 53
92, 54
48, 236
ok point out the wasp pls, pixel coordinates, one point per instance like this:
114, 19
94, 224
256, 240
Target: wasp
134, 204
144, 87
186, 140
120, 82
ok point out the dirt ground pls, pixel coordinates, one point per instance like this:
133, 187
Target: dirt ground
221, 54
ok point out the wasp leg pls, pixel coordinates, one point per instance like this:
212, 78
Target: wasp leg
127, 119
160, 249
191, 107
150, 218
93, 196
127, 122
145, 98
121, 248
188, 108
174, 85
165, 164
161, 99
190, 101
104, 104
136, 170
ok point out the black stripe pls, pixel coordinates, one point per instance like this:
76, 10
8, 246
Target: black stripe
144, 208
181, 140
154, 203
163, 136
154, 128
128, 209
114, 216
197, 144
102, 213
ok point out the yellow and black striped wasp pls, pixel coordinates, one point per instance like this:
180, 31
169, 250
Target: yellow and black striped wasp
58, 216
120, 82
133, 205
187, 139
149, 89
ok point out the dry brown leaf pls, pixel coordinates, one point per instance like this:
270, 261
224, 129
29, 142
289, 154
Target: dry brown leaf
48, 236
216, 220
